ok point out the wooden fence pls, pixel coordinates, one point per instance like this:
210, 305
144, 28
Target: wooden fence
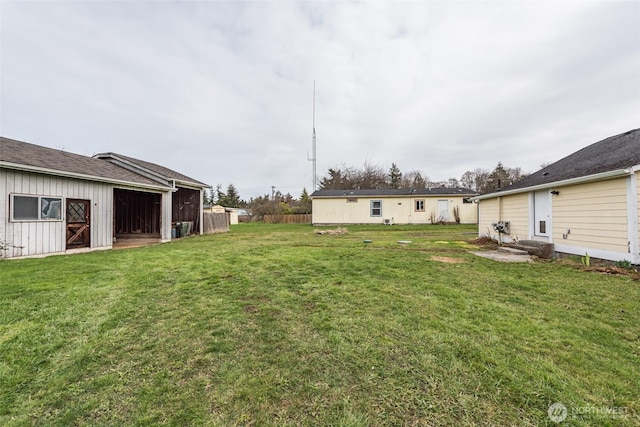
288, 219
215, 223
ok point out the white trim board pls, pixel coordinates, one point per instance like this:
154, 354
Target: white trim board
597, 253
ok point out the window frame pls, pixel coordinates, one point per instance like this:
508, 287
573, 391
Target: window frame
40, 213
423, 202
372, 208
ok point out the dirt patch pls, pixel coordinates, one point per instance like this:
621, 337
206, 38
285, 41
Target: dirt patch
447, 259
485, 241
251, 309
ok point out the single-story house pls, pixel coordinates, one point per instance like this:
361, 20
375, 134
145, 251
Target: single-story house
53, 201
585, 203
393, 206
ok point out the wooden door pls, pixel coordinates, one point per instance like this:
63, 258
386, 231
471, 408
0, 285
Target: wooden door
78, 223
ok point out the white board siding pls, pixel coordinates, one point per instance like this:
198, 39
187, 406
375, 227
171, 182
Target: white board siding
595, 213
401, 210
46, 237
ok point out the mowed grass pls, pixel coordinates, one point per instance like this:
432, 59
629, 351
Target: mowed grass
275, 325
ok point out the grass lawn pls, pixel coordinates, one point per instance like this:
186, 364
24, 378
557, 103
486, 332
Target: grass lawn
275, 325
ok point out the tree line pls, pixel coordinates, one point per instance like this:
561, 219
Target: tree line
276, 203
375, 177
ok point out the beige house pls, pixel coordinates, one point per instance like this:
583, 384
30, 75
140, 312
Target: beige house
585, 203
393, 206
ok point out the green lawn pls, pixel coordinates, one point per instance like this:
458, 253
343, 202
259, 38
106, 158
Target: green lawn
275, 325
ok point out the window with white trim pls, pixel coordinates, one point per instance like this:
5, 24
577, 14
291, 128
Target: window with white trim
376, 208
420, 205
35, 208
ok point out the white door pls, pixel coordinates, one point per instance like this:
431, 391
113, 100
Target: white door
443, 210
542, 213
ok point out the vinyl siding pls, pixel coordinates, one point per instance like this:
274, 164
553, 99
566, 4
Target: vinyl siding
515, 209
638, 193
43, 237
595, 213
488, 214
401, 210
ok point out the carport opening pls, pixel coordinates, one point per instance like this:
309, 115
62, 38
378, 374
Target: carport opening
136, 215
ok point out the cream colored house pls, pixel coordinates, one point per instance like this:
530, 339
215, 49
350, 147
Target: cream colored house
393, 206
585, 203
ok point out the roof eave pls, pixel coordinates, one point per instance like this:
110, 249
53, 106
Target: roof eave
344, 196
618, 173
139, 169
67, 174
133, 167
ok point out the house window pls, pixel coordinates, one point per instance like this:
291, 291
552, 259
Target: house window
36, 208
352, 200
420, 205
376, 208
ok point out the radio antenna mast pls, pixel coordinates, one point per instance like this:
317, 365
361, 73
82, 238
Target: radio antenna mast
313, 139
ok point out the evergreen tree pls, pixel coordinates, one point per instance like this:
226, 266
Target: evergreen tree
395, 176
305, 203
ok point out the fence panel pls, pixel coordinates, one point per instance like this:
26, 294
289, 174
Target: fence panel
288, 219
215, 223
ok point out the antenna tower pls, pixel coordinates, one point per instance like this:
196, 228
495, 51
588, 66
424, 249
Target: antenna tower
313, 140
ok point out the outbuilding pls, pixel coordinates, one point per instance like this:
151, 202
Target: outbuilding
54, 202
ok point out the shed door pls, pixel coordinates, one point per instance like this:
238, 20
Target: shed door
78, 222
443, 210
542, 213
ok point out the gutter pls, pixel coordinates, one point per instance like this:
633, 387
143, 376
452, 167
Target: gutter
619, 173
66, 174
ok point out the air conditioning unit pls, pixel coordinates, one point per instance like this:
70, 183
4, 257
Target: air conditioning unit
388, 221
503, 227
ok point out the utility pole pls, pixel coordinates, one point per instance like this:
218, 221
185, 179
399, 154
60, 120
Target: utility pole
273, 192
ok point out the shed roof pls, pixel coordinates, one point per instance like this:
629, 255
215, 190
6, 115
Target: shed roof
37, 157
161, 171
614, 153
401, 192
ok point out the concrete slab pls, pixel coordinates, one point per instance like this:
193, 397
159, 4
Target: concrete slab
512, 251
502, 256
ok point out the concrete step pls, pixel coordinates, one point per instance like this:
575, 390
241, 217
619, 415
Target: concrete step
512, 251
537, 248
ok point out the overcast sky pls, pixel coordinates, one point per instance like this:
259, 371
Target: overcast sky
223, 91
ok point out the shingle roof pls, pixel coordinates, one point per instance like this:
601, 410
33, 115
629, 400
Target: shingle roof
26, 154
614, 153
164, 172
435, 191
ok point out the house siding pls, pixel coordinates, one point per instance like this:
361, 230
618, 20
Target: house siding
489, 212
595, 213
45, 237
638, 197
400, 210
515, 209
